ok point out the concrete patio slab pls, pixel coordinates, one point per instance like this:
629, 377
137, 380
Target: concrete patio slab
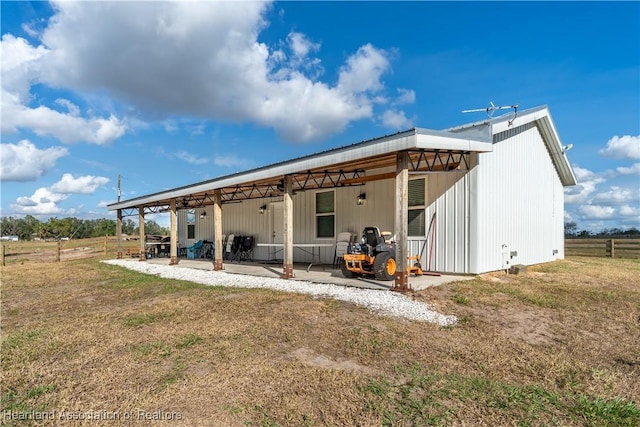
317, 273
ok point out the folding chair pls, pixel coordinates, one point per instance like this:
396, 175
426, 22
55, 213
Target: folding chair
227, 247
246, 249
342, 244
236, 247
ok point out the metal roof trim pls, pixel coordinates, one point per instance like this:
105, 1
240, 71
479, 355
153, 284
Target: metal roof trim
428, 139
542, 117
557, 152
374, 147
470, 137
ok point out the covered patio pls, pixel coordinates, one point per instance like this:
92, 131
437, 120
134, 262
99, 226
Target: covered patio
393, 158
325, 274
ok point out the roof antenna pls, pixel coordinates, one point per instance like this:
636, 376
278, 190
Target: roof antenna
492, 109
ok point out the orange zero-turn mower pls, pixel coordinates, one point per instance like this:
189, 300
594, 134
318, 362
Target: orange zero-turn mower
374, 256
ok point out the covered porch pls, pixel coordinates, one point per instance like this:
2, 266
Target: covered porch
392, 159
326, 274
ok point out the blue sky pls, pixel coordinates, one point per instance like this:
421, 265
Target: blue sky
168, 94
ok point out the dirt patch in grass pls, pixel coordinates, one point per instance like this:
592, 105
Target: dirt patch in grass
555, 346
311, 358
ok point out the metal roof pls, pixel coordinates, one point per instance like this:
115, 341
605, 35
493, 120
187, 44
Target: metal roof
349, 164
541, 117
429, 150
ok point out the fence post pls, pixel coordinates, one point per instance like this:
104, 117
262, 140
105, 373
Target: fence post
2, 254
611, 248
106, 243
58, 251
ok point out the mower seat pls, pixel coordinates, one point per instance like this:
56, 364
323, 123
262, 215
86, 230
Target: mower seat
372, 236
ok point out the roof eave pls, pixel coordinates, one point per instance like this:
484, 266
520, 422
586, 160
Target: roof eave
408, 140
542, 117
558, 153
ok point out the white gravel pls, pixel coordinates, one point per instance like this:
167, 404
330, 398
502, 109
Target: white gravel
382, 302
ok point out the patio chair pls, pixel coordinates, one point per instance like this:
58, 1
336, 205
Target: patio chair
227, 247
245, 251
342, 244
236, 248
195, 251
208, 250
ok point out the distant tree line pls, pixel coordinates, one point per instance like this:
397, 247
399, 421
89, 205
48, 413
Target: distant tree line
571, 231
29, 228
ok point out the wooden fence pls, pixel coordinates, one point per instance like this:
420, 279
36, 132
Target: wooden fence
612, 248
107, 247
65, 250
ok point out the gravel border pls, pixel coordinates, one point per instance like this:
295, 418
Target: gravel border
381, 302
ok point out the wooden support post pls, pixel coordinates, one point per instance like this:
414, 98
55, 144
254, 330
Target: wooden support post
119, 234
611, 248
174, 233
217, 224
2, 254
142, 255
58, 244
287, 268
402, 222
106, 245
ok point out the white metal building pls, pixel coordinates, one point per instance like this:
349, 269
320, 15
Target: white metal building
470, 199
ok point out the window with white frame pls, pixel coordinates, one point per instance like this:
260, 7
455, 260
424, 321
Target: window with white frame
325, 214
191, 224
416, 212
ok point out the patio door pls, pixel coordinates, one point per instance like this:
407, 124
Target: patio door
277, 222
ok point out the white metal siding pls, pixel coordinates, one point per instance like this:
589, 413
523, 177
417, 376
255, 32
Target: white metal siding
448, 198
519, 202
447, 194
244, 219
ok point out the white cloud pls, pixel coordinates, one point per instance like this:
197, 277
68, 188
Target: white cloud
405, 96
42, 202
81, 185
24, 65
630, 211
45, 200
300, 45
596, 212
21, 65
71, 107
67, 128
197, 129
587, 184
24, 162
617, 195
594, 207
199, 59
229, 161
631, 170
363, 71
190, 158
624, 147
395, 120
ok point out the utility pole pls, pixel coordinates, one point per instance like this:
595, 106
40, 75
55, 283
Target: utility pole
119, 191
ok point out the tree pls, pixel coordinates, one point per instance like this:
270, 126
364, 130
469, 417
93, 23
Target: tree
570, 228
28, 227
129, 227
8, 226
152, 227
103, 227
584, 234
